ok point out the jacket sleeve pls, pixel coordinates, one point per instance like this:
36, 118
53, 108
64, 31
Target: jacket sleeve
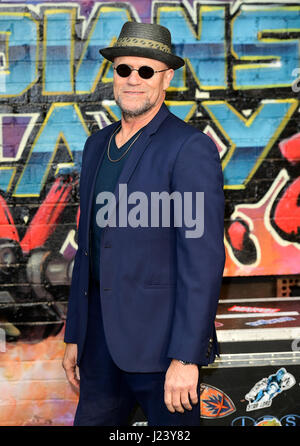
71, 327
71, 321
200, 256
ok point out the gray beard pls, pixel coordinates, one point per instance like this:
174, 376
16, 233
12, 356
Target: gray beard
138, 112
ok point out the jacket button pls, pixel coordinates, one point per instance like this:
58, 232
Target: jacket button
86, 253
85, 293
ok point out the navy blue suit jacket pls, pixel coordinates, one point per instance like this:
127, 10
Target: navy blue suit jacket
159, 289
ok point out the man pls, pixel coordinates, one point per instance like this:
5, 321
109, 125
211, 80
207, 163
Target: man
143, 297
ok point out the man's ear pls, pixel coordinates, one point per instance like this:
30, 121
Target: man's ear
168, 78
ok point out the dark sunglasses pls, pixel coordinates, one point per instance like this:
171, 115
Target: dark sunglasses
145, 72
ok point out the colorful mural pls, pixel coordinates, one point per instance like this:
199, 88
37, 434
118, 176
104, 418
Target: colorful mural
240, 85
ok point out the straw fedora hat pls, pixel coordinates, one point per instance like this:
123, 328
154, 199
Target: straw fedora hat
144, 40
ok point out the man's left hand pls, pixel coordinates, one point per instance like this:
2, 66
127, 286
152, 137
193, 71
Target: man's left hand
181, 386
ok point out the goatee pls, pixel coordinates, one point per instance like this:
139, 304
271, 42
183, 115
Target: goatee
146, 106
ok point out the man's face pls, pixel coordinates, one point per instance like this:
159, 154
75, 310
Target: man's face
134, 95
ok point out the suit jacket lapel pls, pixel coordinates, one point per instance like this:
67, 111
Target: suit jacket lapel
92, 170
97, 156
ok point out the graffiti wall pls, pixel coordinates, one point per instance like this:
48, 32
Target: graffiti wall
240, 85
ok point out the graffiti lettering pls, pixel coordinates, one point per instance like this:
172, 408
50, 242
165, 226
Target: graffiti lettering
250, 138
239, 85
261, 37
50, 52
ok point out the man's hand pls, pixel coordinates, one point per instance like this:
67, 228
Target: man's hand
180, 385
69, 364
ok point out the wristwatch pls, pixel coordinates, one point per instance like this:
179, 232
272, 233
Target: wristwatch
184, 362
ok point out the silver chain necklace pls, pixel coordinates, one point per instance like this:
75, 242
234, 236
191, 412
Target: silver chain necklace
126, 151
